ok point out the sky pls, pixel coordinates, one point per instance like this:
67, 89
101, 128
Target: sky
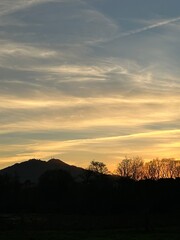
85, 80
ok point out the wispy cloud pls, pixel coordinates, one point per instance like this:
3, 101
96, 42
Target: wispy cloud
63, 92
14, 49
8, 6
155, 25
116, 146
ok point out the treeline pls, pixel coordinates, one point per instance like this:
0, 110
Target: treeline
137, 169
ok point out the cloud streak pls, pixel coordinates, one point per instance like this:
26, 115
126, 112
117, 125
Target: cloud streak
8, 6
45, 148
66, 87
153, 26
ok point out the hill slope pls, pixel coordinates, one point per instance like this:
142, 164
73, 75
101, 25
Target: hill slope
33, 169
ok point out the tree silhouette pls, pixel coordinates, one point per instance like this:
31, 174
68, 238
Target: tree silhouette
124, 168
98, 167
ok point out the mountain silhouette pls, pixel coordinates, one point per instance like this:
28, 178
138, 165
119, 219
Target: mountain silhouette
34, 168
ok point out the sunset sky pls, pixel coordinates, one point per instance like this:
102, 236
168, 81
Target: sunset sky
85, 80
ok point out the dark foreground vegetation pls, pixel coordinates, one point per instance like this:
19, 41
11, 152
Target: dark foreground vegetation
89, 235
96, 205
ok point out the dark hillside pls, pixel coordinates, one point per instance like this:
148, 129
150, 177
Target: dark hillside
32, 169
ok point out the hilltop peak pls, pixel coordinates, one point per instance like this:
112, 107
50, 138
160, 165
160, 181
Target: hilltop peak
56, 161
32, 169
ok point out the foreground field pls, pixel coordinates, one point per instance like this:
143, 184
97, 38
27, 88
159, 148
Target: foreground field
90, 235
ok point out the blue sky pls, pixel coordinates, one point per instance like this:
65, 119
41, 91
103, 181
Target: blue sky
89, 79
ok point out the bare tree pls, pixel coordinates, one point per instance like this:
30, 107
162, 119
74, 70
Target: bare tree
131, 168
137, 168
171, 167
178, 169
154, 169
124, 168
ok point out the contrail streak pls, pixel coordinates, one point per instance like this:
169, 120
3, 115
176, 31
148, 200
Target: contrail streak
156, 25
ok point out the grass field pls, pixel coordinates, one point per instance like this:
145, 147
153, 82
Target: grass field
89, 235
